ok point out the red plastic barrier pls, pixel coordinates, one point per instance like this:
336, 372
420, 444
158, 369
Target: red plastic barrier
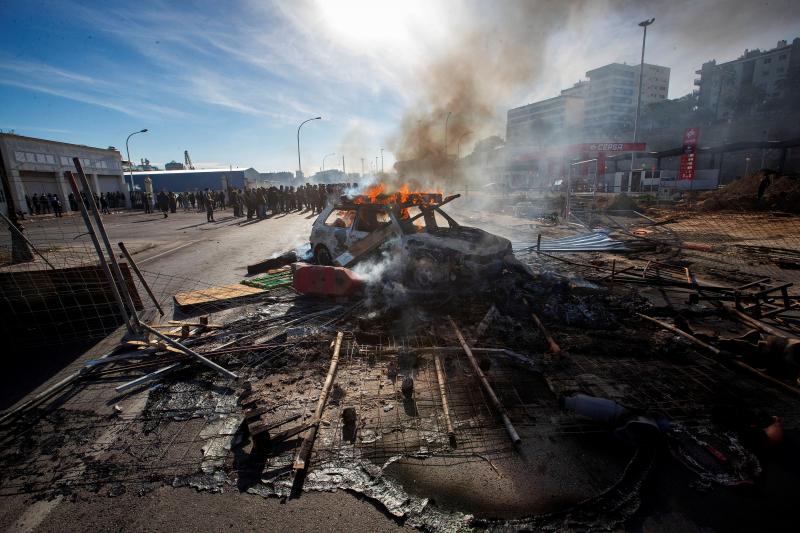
326, 281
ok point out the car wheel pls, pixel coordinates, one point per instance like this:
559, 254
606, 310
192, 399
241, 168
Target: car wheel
322, 256
427, 273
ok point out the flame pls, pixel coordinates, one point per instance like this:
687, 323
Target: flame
377, 194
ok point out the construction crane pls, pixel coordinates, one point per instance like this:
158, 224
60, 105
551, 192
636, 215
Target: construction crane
187, 160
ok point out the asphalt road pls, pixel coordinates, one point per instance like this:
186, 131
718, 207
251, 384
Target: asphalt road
184, 244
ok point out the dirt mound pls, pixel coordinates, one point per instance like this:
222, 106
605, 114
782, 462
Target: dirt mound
762, 191
623, 202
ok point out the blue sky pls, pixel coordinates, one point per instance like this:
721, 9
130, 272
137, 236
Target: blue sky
230, 81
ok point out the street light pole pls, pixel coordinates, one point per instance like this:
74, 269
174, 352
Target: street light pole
644, 24
381, 160
445, 133
128, 152
323, 159
299, 165
458, 151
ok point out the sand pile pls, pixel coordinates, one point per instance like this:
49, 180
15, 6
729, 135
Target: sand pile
781, 193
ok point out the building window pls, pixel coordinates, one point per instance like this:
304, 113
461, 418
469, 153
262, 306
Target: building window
31, 158
767, 60
781, 57
50, 159
20, 156
65, 161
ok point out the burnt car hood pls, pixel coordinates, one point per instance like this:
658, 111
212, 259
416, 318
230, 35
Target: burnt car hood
464, 240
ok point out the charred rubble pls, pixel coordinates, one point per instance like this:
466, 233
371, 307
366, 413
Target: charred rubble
541, 396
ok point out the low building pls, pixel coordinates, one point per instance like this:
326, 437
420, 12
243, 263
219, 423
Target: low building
190, 180
39, 166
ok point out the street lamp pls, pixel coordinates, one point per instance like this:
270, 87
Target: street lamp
644, 24
381, 160
128, 152
300, 166
445, 133
323, 159
458, 151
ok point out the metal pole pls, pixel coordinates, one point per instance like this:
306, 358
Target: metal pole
224, 371
138, 272
101, 229
381, 160
299, 165
644, 24
344, 170
446, 121
20, 253
130, 163
90, 230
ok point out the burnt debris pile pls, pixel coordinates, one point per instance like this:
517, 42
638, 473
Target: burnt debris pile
541, 391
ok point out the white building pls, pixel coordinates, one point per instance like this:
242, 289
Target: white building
38, 166
610, 108
539, 122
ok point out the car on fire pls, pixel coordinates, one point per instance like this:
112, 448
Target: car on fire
433, 248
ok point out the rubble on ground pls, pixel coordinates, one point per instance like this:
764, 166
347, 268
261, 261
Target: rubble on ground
540, 398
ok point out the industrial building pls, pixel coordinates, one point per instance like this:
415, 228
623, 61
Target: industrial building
39, 166
207, 178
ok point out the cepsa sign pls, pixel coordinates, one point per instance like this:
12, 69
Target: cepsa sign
615, 147
689, 157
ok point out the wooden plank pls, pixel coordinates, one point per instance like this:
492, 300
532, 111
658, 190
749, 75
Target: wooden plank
219, 294
301, 460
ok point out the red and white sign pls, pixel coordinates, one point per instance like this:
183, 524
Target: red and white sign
614, 147
689, 157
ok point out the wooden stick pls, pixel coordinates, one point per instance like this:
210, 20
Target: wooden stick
495, 401
761, 326
440, 377
304, 454
555, 349
184, 349
138, 272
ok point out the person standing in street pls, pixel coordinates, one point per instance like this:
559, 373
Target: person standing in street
209, 206
55, 203
163, 203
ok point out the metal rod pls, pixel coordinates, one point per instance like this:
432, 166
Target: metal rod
717, 351
101, 229
303, 455
90, 230
761, 326
22, 235
486, 386
148, 377
440, 377
211, 364
138, 272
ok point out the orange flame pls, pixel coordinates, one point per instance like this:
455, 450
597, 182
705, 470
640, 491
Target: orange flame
377, 194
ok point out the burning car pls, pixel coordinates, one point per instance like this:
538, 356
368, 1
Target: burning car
432, 247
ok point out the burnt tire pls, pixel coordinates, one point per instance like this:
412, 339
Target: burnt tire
426, 272
322, 256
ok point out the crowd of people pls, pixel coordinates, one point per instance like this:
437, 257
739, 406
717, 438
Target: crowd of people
50, 203
258, 202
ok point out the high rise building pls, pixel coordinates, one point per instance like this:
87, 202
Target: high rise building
610, 108
755, 76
